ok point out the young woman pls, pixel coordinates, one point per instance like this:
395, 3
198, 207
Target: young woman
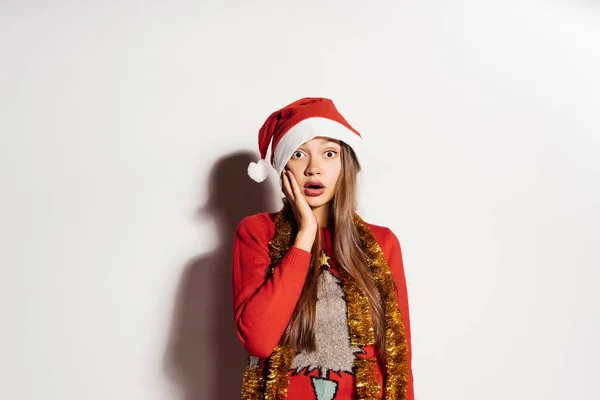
319, 295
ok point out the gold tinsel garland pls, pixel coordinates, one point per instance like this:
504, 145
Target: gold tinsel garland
366, 380
397, 373
252, 383
360, 323
270, 381
278, 372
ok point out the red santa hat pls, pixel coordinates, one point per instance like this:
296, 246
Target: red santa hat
295, 124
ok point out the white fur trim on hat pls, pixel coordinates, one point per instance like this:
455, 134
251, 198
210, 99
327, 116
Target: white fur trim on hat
308, 129
258, 170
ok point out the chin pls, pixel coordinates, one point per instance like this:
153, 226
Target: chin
315, 202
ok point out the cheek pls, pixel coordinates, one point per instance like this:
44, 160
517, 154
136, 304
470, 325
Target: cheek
336, 173
296, 166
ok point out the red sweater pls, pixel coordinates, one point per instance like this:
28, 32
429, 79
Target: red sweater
262, 310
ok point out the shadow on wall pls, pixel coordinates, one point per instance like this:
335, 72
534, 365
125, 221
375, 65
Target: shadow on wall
204, 356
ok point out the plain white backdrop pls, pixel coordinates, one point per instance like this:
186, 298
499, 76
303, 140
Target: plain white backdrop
126, 128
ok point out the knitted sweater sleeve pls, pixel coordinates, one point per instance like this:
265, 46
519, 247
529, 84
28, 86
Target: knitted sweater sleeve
263, 307
397, 268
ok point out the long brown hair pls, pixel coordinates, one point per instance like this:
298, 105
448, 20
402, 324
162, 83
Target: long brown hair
349, 256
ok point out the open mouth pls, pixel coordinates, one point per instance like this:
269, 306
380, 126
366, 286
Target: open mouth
314, 188
314, 185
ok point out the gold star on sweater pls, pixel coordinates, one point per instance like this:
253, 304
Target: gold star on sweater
324, 260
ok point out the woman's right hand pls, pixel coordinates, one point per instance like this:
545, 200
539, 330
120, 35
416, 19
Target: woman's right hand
305, 217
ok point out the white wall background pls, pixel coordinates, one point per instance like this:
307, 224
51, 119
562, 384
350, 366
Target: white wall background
126, 128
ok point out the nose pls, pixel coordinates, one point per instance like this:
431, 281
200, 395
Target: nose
313, 167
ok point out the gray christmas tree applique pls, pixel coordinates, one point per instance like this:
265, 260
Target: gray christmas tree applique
334, 352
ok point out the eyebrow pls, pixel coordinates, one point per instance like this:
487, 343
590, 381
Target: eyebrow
323, 142
328, 141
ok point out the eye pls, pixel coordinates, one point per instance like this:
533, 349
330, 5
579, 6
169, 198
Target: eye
297, 154
330, 153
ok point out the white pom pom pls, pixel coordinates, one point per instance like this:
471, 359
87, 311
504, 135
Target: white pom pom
258, 171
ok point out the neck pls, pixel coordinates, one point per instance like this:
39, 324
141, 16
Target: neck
322, 214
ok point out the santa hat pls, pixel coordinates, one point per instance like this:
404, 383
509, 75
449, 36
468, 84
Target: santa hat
295, 124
